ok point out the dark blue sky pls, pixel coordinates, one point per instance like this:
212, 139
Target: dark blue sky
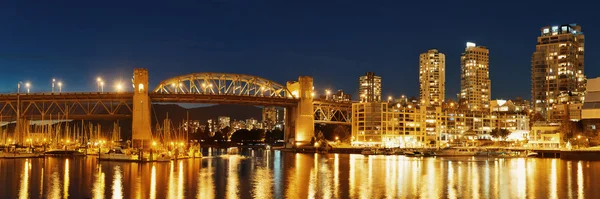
333, 41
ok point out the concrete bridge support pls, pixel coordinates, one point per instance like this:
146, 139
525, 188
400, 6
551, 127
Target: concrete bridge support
141, 131
302, 116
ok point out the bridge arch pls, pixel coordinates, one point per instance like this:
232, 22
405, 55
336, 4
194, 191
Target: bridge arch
224, 84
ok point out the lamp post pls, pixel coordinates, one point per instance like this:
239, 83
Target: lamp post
28, 86
53, 81
60, 87
327, 93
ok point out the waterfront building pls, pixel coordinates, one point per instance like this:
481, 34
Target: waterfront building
369, 89
270, 117
545, 135
389, 124
510, 116
252, 124
224, 121
557, 70
432, 77
475, 81
590, 114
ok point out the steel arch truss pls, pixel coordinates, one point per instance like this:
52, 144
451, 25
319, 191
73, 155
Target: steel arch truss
223, 84
66, 106
330, 112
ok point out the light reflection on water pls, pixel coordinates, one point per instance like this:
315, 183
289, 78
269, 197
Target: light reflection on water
274, 174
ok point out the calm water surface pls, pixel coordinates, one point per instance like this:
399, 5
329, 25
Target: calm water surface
274, 174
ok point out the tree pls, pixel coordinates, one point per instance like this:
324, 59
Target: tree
500, 133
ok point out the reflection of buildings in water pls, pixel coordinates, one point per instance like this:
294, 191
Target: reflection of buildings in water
66, 180
232, 176
553, 180
54, 185
520, 176
474, 176
451, 183
262, 183
579, 180
24, 188
531, 181
99, 183
117, 188
206, 184
175, 187
153, 182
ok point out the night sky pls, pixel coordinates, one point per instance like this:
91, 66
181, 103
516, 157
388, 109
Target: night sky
333, 41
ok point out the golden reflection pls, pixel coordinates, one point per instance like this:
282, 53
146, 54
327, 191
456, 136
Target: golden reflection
580, 193
312, 184
42, 183
171, 188
206, 184
486, 178
24, 188
431, 187
324, 176
117, 187
180, 189
569, 179
451, 183
352, 178
365, 188
263, 180
336, 175
531, 180
520, 175
232, 177
475, 178
553, 180
153, 182
55, 185
66, 180
99, 183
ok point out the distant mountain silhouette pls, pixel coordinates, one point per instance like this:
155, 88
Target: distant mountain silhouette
178, 114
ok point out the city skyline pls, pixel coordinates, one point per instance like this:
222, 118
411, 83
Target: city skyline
68, 47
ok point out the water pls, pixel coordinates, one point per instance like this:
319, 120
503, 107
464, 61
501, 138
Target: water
274, 174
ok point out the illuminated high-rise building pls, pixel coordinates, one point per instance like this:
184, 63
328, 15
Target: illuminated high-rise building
369, 89
557, 69
475, 78
432, 77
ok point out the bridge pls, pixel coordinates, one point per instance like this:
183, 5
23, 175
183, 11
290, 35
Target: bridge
302, 110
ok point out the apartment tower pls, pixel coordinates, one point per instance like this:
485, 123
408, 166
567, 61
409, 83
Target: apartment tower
432, 77
475, 78
369, 88
557, 69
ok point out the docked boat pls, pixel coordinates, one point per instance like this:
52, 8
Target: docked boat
456, 152
118, 153
532, 154
16, 154
63, 153
369, 151
409, 153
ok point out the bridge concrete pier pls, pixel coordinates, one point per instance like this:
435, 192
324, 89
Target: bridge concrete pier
303, 113
140, 128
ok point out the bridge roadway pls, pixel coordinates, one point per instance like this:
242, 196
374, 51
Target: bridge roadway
154, 97
100, 105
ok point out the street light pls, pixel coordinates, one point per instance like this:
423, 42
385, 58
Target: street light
60, 87
53, 81
119, 87
100, 84
327, 93
28, 86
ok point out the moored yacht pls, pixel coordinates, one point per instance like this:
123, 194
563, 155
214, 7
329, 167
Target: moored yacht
118, 153
456, 152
